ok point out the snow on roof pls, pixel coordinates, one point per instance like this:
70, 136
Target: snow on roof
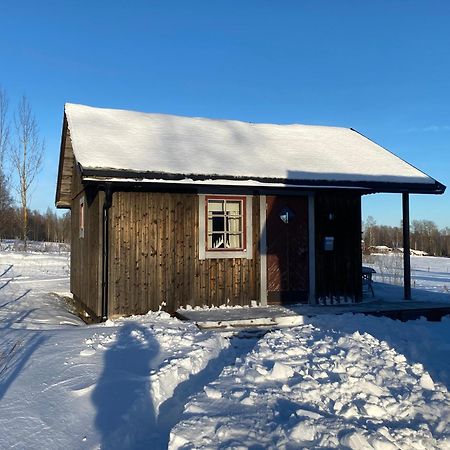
109, 139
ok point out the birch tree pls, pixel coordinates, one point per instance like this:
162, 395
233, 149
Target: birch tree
27, 153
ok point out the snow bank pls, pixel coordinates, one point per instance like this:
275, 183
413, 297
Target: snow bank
314, 386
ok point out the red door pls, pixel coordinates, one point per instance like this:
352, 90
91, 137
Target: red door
287, 249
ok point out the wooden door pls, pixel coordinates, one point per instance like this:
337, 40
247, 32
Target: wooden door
287, 249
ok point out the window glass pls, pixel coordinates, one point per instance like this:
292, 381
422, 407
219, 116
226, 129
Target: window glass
225, 224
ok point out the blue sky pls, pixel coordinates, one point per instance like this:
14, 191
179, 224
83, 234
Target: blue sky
381, 67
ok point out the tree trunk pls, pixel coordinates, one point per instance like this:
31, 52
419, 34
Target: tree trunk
25, 227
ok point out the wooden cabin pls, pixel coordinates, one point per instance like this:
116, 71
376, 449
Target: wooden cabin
172, 211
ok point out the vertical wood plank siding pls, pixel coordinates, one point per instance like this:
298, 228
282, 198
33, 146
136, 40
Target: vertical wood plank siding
154, 257
338, 272
86, 252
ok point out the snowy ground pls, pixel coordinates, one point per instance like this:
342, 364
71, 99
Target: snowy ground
152, 381
65, 385
427, 272
329, 384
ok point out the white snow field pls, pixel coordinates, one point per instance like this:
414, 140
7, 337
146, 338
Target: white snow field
349, 381
65, 385
427, 272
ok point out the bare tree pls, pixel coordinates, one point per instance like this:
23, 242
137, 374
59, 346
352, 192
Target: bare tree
4, 128
27, 152
5, 192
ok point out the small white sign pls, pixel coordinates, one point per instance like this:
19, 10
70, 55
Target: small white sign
328, 243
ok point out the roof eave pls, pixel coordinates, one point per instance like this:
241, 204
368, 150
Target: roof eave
116, 175
62, 205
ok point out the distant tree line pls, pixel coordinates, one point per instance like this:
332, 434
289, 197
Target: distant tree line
41, 226
424, 235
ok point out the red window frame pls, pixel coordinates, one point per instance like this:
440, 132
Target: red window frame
243, 201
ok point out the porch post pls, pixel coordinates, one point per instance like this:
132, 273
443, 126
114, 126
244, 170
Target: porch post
263, 249
406, 248
312, 250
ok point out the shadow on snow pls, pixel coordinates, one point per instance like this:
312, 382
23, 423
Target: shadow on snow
124, 408
126, 417
16, 353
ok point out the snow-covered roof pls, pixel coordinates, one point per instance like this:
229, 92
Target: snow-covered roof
161, 146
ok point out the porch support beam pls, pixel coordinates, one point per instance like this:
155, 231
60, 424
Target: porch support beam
312, 250
263, 249
406, 248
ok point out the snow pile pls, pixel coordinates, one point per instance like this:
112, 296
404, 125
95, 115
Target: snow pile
420, 341
183, 350
317, 387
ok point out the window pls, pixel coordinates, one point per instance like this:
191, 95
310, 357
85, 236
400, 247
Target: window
225, 226
81, 224
225, 223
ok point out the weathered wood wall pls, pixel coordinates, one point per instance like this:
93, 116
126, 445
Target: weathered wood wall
338, 272
154, 253
86, 252
154, 257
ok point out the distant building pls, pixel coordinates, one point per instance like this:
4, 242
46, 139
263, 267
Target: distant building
380, 249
